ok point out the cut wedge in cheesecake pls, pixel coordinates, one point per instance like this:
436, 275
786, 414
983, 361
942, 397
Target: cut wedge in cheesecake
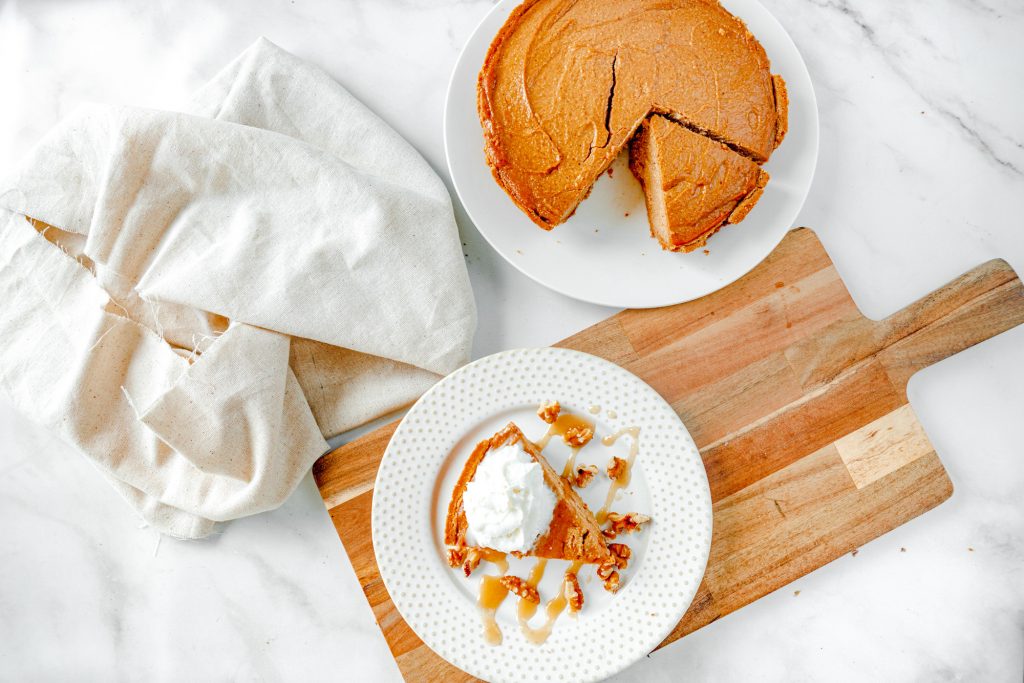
693, 184
509, 499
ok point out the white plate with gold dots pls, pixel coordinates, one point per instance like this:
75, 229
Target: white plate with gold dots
667, 482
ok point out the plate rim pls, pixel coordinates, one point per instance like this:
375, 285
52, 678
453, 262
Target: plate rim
600, 301
706, 491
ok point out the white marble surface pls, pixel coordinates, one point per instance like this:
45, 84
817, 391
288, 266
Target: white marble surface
921, 177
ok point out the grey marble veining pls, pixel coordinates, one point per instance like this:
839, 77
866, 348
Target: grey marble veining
921, 177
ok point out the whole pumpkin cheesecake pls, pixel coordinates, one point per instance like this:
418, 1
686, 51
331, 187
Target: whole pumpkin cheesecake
693, 185
567, 83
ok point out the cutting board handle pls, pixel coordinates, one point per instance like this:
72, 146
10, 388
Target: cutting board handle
980, 304
976, 306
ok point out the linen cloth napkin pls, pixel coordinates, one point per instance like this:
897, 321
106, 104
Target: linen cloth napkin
196, 300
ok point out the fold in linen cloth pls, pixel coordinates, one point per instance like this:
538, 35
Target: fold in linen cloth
196, 300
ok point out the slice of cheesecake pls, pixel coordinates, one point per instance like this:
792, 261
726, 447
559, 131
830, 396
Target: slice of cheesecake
519, 509
693, 185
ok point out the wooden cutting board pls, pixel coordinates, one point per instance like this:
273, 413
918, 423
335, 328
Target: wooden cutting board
797, 402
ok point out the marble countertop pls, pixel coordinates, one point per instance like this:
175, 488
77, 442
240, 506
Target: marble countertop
921, 177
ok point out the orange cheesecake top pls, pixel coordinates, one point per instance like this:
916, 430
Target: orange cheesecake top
566, 83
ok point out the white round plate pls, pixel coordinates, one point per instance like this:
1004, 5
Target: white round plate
605, 254
426, 455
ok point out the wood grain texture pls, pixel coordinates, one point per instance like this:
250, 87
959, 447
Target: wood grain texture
799, 407
884, 446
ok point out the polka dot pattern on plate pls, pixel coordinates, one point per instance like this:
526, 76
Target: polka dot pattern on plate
657, 591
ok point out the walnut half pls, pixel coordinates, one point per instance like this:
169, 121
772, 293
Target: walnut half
616, 468
578, 437
524, 590
606, 572
456, 556
625, 523
548, 411
584, 475
621, 553
572, 592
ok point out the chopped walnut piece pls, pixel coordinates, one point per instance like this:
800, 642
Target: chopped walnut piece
548, 411
621, 552
605, 569
572, 592
616, 468
627, 523
611, 584
584, 475
524, 590
472, 561
456, 557
578, 437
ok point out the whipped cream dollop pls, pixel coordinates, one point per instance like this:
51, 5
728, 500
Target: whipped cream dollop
508, 505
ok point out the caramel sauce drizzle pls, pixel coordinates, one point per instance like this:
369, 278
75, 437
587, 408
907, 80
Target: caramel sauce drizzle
496, 558
492, 594
553, 609
570, 465
623, 480
526, 608
564, 423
